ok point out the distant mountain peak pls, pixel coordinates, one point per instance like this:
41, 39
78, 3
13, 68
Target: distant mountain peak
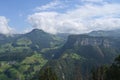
37, 30
110, 33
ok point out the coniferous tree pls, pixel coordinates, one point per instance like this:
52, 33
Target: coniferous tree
78, 75
99, 73
48, 74
113, 73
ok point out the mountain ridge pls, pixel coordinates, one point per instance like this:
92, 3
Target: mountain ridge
68, 58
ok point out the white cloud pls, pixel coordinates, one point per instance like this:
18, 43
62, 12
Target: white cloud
27, 30
83, 18
105, 24
52, 5
92, 0
4, 27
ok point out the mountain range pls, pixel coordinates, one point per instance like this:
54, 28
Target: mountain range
69, 56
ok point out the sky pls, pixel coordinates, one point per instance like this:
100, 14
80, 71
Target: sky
59, 16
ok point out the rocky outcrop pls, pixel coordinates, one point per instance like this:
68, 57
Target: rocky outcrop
84, 40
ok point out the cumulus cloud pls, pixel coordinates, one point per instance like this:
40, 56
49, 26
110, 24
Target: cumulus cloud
4, 27
53, 22
105, 24
81, 19
52, 5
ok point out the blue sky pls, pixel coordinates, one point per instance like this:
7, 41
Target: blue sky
59, 16
18, 10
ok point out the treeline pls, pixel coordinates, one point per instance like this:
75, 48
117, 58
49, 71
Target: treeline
107, 73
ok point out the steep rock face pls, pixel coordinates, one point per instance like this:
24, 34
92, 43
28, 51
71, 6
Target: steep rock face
84, 40
93, 41
92, 47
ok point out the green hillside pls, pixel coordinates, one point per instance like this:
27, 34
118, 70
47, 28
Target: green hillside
38, 55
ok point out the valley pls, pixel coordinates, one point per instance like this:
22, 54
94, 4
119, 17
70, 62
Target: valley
68, 57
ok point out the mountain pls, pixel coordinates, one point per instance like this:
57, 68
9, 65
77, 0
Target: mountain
92, 47
112, 33
23, 55
34, 55
81, 53
40, 39
22, 45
